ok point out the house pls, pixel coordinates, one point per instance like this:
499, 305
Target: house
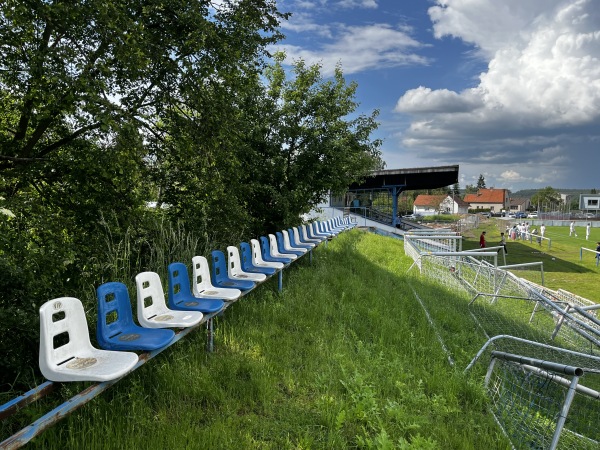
488, 199
519, 204
435, 204
589, 202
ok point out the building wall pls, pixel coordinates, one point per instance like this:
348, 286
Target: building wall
491, 206
589, 202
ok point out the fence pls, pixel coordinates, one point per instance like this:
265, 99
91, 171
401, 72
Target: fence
589, 250
524, 318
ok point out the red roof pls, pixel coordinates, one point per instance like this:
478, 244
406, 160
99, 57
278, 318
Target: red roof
486, 196
429, 200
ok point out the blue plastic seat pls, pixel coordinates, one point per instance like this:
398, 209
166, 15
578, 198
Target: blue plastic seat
315, 231
307, 236
284, 249
248, 264
180, 294
265, 247
324, 228
295, 241
333, 226
220, 274
116, 329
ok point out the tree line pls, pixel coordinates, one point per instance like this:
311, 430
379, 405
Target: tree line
106, 105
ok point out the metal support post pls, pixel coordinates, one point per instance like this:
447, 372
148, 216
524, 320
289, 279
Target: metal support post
210, 343
280, 280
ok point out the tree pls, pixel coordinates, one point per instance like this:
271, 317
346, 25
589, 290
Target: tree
454, 189
303, 142
481, 182
75, 70
546, 197
88, 93
470, 189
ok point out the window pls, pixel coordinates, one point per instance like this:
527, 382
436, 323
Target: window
592, 203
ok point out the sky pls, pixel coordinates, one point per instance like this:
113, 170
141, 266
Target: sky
508, 89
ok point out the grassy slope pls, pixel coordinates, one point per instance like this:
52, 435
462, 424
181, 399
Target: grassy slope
344, 358
565, 271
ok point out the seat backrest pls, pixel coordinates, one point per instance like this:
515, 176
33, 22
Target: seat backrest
234, 264
246, 257
274, 244
115, 315
219, 266
265, 247
305, 233
150, 296
179, 290
287, 244
201, 275
294, 233
256, 252
314, 229
63, 332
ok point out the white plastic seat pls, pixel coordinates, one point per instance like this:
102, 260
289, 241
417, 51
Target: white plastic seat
287, 245
306, 237
275, 250
202, 286
152, 310
331, 228
234, 267
298, 238
63, 320
258, 260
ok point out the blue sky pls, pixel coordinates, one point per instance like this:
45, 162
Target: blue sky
509, 89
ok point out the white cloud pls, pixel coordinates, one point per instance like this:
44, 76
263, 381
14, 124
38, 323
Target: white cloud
422, 100
357, 3
360, 48
303, 23
538, 103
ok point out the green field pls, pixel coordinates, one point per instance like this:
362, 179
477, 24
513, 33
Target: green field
562, 267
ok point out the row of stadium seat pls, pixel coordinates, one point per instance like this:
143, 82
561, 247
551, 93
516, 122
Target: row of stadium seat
66, 352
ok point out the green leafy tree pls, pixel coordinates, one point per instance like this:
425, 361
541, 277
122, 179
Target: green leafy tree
88, 93
470, 189
305, 142
481, 182
547, 197
71, 70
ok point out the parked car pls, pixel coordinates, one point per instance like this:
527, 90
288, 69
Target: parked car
532, 215
520, 215
511, 215
485, 214
412, 216
590, 215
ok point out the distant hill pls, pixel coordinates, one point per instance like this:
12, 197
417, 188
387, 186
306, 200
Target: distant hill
528, 193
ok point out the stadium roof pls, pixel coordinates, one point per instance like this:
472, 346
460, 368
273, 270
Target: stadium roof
410, 179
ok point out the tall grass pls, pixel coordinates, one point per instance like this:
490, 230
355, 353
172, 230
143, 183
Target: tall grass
343, 358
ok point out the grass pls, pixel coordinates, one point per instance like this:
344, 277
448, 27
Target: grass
343, 358
562, 267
